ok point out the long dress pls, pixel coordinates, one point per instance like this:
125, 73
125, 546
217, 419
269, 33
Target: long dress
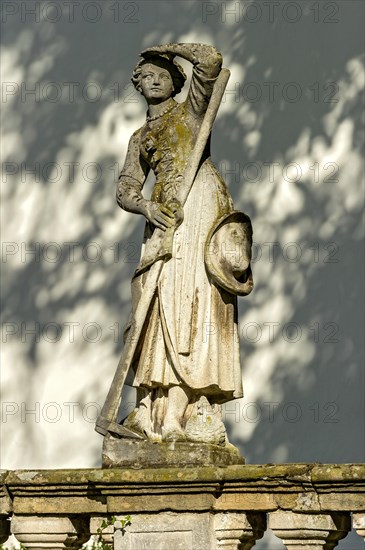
190, 336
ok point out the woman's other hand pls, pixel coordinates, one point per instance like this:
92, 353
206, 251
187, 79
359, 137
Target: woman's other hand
159, 215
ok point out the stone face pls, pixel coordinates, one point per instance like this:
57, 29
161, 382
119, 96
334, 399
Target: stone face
133, 453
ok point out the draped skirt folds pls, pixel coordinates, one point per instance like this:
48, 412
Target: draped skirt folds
190, 336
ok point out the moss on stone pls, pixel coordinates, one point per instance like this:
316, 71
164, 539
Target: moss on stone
308, 472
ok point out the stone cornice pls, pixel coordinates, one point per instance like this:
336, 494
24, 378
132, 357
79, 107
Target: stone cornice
298, 487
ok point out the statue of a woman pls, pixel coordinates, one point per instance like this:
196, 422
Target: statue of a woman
188, 347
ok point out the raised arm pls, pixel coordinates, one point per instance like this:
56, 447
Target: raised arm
207, 63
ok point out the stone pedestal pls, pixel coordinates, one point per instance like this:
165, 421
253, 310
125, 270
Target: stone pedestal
134, 453
180, 531
191, 531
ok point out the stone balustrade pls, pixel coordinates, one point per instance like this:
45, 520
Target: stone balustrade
306, 505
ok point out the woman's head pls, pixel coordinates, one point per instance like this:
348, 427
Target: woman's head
155, 71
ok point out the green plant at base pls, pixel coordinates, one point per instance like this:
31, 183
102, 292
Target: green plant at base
99, 543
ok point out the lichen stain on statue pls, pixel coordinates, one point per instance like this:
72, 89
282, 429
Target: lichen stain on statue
181, 348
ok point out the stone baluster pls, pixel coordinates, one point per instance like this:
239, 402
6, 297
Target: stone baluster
4, 528
312, 531
40, 532
238, 530
5, 508
358, 523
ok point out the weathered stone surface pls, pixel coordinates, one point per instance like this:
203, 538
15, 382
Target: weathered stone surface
198, 501
242, 487
108, 532
331, 473
189, 531
185, 531
252, 501
280, 476
50, 532
5, 501
238, 530
181, 345
133, 453
75, 504
314, 531
4, 528
5, 507
273, 475
346, 501
358, 523
298, 497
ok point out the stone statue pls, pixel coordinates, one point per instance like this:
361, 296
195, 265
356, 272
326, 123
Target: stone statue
181, 347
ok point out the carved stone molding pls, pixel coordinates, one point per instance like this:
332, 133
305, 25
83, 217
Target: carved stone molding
309, 505
314, 531
50, 531
358, 523
237, 530
4, 529
5, 508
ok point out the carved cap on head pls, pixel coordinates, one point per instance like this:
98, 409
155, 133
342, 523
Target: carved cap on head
165, 61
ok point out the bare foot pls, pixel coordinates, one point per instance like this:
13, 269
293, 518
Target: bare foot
172, 431
138, 421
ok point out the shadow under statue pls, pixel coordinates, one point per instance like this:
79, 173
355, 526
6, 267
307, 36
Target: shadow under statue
181, 345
